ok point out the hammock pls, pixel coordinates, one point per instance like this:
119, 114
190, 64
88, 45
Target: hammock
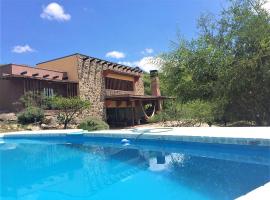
145, 115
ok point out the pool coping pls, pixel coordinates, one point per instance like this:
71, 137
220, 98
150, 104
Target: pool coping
262, 193
256, 136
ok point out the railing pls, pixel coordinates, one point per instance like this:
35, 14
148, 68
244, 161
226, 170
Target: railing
110, 92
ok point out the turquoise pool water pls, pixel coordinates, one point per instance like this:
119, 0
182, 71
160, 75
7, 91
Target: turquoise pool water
100, 169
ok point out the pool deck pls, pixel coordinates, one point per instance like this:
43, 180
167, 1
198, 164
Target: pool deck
258, 136
260, 193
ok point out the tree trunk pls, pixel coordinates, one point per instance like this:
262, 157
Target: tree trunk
65, 125
258, 121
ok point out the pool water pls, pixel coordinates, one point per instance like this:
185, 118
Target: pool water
100, 169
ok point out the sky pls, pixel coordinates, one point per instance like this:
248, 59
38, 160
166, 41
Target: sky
131, 32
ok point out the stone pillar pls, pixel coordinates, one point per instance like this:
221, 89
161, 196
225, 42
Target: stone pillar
155, 88
92, 87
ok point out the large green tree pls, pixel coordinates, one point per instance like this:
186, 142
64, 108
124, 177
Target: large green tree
227, 65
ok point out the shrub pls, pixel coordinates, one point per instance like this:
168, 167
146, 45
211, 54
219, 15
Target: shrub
199, 111
92, 124
160, 117
68, 108
194, 111
38, 99
31, 115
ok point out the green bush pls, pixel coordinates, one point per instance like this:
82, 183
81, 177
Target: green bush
68, 108
31, 99
200, 111
195, 111
161, 117
31, 115
92, 124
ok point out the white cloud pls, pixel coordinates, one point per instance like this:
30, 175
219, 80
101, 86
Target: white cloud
147, 51
266, 6
22, 49
131, 64
115, 54
54, 11
146, 63
150, 63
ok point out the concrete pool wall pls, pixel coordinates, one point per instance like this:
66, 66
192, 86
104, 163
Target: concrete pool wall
257, 136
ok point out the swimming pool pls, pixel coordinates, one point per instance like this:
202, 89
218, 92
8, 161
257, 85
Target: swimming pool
98, 168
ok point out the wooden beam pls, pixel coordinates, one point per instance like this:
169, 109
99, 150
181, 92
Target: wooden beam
24, 72
36, 74
85, 58
118, 103
133, 116
136, 70
46, 75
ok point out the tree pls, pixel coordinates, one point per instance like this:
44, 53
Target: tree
35, 99
147, 83
228, 63
68, 108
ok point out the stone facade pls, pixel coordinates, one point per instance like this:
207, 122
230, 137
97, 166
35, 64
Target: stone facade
139, 86
92, 87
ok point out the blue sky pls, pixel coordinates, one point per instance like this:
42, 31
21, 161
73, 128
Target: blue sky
126, 31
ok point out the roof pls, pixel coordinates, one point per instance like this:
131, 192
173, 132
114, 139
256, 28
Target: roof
13, 76
31, 67
139, 70
27, 71
136, 97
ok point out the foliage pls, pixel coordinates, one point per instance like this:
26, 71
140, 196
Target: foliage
36, 99
196, 111
161, 117
68, 108
31, 115
92, 124
147, 83
227, 65
200, 111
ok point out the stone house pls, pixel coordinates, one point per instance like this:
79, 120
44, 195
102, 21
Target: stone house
115, 91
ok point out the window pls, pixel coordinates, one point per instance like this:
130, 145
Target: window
117, 84
48, 92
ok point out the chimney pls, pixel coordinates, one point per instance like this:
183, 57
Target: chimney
154, 83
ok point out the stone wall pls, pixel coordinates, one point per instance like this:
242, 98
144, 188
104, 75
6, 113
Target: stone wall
92, 87
139, 86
